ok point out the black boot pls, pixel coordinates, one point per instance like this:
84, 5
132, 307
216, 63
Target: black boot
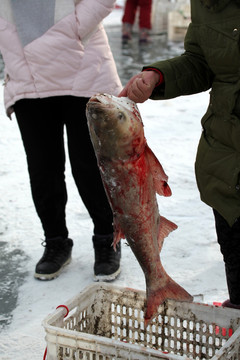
227, 303
107, 260
56, 255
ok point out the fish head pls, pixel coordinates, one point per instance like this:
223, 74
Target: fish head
115, 126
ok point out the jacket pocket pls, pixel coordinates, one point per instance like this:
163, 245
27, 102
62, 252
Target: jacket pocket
218, 161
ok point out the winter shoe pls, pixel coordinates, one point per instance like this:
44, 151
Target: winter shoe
144, 37
228, 304
126, 32
56, 255
107, 260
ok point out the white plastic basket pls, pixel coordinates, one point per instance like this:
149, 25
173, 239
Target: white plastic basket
106, 322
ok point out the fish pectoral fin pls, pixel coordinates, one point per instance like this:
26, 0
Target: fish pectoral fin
159, 176
162, 188
118, 234
165, 228
155, 298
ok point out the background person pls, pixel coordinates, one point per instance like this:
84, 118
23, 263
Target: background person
130, 10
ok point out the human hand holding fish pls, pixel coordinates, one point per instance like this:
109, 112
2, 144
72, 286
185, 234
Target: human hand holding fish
132, 175
140, 87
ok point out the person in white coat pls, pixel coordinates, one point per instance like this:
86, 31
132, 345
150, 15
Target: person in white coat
56, 56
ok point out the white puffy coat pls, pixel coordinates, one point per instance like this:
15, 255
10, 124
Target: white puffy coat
72, 57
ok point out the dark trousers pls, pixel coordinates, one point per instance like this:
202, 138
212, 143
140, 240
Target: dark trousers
41, 123
229, 241
145, 8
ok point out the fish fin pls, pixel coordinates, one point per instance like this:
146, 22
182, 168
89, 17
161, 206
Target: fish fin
118, 234
170, 291
165, 228
159, 176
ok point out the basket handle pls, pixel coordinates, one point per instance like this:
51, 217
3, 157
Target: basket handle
45, 352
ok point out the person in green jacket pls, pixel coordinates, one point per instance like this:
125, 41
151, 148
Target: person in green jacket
211, 60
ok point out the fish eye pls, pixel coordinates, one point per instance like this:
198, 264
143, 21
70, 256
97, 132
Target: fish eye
121, 116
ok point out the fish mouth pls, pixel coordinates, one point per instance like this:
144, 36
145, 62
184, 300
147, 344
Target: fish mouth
94, 105
94, 99
99, 98
112, 102
99, 102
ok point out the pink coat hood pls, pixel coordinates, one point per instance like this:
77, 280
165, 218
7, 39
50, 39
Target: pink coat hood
72, 57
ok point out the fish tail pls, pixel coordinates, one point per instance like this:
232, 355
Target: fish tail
170, 291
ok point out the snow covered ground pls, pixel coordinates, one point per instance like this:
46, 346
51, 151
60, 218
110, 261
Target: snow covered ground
190, 254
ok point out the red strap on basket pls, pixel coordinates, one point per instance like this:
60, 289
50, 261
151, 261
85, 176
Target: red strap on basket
65, 308
45, 352
217, 329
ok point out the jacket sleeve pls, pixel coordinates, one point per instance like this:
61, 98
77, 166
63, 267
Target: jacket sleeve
186, 74
90, 13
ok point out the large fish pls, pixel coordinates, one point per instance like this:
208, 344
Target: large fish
132, 175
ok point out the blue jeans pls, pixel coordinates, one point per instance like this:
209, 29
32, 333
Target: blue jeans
41, 123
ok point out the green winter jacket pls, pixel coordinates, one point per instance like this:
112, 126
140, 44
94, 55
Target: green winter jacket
212, 60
